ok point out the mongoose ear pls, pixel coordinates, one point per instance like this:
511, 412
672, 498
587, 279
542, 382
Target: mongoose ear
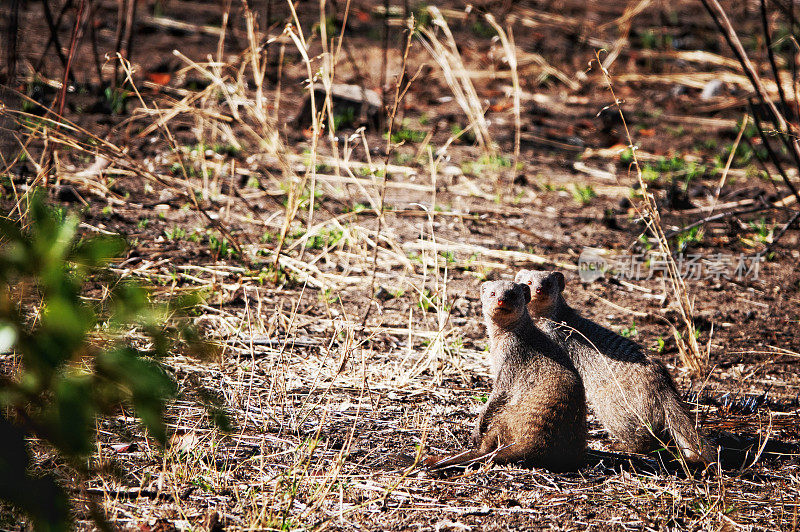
559, 277
526, 292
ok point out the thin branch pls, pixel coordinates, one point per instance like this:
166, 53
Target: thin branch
398, 95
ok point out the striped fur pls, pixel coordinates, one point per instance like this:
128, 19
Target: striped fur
634, 398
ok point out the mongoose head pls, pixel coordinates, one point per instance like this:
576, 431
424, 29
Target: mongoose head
504, 302
545, 287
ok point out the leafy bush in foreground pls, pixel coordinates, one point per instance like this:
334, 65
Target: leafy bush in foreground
69, 358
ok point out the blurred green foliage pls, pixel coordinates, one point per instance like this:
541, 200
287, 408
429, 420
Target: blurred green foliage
71, 358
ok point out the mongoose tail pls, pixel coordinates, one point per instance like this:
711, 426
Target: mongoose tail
501, 455
694, 448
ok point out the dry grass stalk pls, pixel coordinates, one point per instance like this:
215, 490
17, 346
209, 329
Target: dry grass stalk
721, 18
399, 94
691, 354
510, 49
623, 24
457, 77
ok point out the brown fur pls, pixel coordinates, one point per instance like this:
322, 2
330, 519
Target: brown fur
634, 397
536, 414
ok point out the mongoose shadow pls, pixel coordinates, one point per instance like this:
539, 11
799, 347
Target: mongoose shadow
536, 413
633, 397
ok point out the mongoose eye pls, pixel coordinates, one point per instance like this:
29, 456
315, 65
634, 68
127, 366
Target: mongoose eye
492, 294
530, 283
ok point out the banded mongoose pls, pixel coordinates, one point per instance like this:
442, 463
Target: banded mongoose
536, 413
633, 397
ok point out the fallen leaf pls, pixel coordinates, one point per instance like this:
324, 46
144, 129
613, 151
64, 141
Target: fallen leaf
160, 78
619, 146
124, 447
184, 442
500, 106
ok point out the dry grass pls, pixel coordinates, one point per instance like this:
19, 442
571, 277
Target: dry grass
692, 356
322, 398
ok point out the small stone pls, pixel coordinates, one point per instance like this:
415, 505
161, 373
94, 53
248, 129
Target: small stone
451, 170
712, 89
383, 294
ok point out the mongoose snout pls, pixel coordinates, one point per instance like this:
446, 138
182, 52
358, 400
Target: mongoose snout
545, 288
504, 299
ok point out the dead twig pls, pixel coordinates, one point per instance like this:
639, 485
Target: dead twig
691, 354
399, 93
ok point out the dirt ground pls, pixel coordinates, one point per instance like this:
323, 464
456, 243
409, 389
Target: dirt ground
366, 341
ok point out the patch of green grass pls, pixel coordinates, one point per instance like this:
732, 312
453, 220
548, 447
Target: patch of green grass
404, 158
660, 344
328, 296
219, 147
743, 155
116, 99
344, 119
629, 332
651, 39
676, 132
485, 163
425, 300
220, 247
626, 157
649, 174
422, 16
583, 194
458, 132
449, 256
406, 134
431, 301
689, 238
763, 232
176, 233
325, 238
269, 237
266, 275
356, 208
483, 30
304, 196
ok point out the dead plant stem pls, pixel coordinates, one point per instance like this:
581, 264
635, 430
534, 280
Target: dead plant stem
399, 92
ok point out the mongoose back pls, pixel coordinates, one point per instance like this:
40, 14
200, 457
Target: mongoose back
633, 397
536, 413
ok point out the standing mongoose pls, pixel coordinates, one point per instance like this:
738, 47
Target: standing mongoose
633, 397
536, 413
